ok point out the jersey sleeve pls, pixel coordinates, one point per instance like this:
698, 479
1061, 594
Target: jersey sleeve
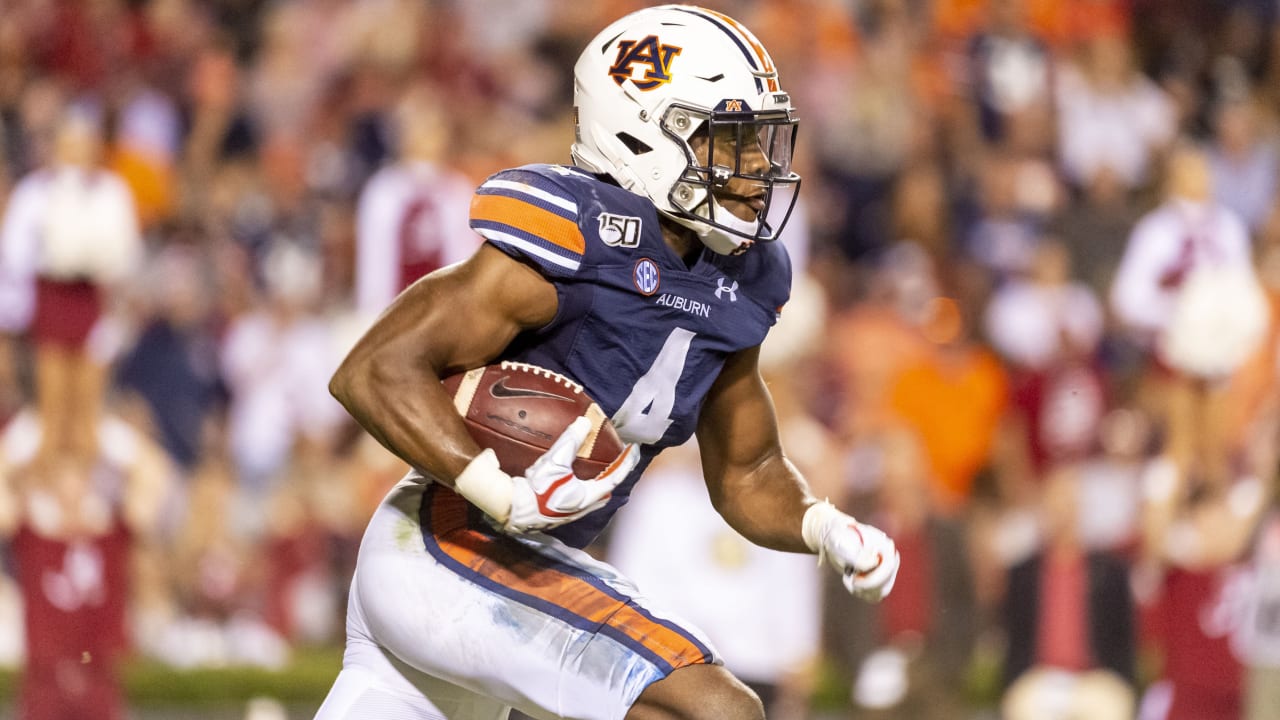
529, 215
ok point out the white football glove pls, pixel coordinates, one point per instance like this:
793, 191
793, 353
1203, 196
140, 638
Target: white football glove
864, 555
549, 493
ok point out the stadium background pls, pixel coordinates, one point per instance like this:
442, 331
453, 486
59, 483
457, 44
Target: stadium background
960, 363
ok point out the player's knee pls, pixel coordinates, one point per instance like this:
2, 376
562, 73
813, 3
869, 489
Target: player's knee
698, 692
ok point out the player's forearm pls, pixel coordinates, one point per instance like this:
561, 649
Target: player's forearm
766, 505
406, 410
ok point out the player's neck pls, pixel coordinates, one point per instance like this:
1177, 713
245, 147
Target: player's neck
683, 241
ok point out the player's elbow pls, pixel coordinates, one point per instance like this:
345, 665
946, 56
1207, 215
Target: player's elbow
372, 376
339, 386
735, 502
349, 384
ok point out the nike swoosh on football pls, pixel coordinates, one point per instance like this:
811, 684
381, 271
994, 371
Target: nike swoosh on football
501, 390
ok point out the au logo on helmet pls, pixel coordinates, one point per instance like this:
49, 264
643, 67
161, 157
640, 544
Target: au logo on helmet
649, 51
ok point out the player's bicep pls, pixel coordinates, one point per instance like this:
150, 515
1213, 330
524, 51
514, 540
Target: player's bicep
737, 429
464, 315
478, 311
458, 317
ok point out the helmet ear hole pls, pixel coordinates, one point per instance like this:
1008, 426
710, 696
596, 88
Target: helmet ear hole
634, 144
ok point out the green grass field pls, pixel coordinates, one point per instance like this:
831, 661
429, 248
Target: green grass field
159, 691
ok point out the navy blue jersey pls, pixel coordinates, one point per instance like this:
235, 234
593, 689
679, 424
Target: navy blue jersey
645, 334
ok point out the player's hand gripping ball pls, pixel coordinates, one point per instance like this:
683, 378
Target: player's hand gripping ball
561, 452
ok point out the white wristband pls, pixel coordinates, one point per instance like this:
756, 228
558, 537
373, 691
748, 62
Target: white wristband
486, 486
817, 521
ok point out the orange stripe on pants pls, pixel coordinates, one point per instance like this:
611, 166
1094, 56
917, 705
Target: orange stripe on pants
510, 564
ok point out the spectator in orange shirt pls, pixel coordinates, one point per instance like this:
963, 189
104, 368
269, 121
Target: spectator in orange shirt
954, 399
870, 340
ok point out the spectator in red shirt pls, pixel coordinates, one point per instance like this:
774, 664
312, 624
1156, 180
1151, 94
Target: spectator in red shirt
73, 525
1196, 536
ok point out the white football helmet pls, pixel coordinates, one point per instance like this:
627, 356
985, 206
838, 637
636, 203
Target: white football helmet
652, 80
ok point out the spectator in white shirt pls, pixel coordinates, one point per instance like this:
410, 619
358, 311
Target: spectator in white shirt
70, 233
276, 361
1110, 115
413, 215
1187, 233
1044, 316
1188, 290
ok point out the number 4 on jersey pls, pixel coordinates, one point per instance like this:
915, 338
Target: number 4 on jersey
646, 413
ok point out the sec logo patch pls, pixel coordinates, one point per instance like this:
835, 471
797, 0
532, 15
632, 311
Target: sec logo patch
646, 276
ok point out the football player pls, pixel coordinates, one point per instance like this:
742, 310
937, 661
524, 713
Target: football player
647, 271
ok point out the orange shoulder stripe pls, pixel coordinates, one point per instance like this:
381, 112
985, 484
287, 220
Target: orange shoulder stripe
529, 218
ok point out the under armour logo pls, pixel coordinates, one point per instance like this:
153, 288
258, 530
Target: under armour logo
721, 288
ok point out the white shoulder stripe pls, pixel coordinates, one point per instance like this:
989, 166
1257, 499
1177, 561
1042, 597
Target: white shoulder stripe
526, 246
532, 191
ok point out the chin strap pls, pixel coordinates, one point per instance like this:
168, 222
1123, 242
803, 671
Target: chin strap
717, 239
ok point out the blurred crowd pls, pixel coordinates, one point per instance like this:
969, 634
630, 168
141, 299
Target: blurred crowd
1034, 336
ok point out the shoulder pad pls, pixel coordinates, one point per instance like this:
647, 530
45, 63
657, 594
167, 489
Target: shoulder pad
532, 212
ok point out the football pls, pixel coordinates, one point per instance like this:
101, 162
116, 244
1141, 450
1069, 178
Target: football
518, 410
